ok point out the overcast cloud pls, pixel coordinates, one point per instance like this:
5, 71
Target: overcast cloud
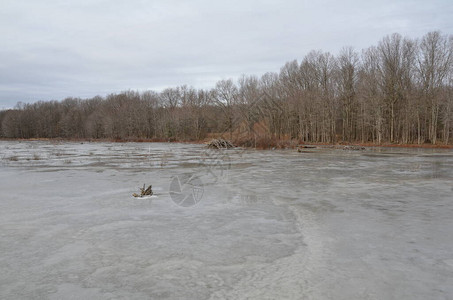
51, 49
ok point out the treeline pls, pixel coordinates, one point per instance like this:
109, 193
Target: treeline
400, 91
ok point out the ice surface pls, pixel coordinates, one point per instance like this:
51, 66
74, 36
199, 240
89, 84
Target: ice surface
330, 224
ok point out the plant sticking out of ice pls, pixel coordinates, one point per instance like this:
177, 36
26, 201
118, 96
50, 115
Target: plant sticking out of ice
144, 192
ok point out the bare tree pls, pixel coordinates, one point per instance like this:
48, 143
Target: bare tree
226, 96
348, 64
434, 64
397, 56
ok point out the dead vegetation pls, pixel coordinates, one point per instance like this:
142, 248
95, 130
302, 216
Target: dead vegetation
144, 192
220, 144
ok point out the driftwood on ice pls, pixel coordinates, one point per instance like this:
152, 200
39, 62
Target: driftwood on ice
144, 192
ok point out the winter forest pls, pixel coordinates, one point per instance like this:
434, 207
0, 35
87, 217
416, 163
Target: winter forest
398, 91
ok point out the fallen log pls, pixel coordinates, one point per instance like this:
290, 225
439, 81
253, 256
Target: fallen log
354, 148
302, 148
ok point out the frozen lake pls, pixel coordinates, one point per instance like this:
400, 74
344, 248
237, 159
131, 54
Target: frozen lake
325, 224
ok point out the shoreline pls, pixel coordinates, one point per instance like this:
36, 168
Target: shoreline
282, 144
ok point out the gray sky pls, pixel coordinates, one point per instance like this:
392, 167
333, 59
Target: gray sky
52, 49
